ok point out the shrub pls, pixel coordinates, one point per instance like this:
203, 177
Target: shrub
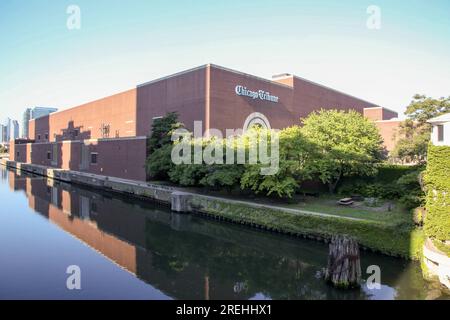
409, 181
389, 173
406, 188
187, 175
223, 176
372, 190
411, 201
158, 163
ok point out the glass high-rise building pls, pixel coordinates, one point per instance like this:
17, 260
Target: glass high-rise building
14, 130
34, 113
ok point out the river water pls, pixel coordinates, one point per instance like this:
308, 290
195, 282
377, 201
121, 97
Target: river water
130, 249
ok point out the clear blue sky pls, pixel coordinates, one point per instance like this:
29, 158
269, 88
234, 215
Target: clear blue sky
124, 43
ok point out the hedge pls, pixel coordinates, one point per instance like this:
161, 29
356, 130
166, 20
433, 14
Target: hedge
387, 174
437, 179
392, 172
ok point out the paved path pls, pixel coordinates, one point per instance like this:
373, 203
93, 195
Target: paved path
284, 209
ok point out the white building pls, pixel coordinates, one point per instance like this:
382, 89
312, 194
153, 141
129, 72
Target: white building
440, 136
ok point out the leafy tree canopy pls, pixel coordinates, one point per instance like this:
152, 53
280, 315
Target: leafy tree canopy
294, 154
347, 144
423, 108
415, 132
159, 146
162, 129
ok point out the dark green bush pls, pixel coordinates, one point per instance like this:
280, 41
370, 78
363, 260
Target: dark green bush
372, 190
409, 181
411, 201
391, 172
406, 188
159, 146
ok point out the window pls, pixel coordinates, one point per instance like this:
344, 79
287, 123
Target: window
75, 132
440, 132
94, 157
39, 137
46, 136
18, 153
49, 155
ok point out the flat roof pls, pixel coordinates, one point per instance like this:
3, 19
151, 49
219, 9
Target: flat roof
217, 67
270, 81
442, 118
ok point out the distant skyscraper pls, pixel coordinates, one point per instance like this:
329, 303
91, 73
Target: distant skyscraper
34, 113
2, 133
38, 112
26, 117
6, 130
14, 132
9, 130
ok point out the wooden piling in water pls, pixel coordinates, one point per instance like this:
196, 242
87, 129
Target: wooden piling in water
344, 266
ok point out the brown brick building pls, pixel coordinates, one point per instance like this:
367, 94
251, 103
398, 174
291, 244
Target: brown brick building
108, 136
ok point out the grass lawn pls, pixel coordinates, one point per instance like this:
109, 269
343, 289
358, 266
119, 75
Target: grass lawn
328, 204
324, 203
391, 232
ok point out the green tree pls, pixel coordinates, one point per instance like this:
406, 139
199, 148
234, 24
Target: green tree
423, 108
214, 176
161, 131
159, 146
225, 176
415, 132
412, 147
347, 145
294, 153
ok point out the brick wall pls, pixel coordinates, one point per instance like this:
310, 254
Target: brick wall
85, 121
122, 158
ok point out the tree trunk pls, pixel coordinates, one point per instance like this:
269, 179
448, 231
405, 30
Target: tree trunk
344, 267
332, 186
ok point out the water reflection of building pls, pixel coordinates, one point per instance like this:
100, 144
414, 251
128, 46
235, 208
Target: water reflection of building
185, 257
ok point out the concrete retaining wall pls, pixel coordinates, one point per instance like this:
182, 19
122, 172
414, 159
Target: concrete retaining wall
437, 263
140, 189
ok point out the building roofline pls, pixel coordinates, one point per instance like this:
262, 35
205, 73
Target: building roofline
390, 120
173, 75
43, 108
59, 111
251, 76
382, 108
212, 65
270, 81
335, 90
440, 119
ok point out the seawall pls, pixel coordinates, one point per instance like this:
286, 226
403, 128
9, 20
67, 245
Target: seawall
378, 237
